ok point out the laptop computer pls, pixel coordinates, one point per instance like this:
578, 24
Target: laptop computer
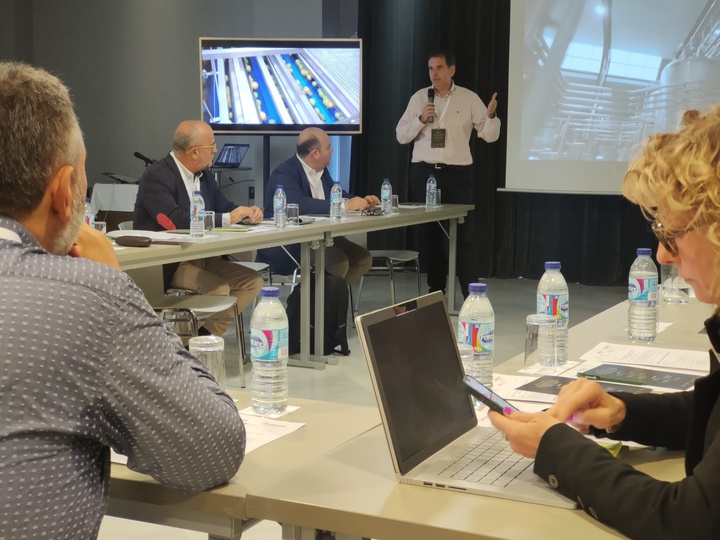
231, 156
427, 415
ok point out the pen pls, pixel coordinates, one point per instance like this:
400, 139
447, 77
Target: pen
609, 378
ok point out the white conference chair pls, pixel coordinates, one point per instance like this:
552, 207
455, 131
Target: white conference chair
181, 305
386, 262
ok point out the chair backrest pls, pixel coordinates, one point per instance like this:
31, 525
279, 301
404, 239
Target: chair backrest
125, 225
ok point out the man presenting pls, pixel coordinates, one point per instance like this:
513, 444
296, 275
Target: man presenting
163, 201
86, 364
307, 182
439, 120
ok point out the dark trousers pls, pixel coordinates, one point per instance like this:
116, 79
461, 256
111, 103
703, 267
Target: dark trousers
456, 187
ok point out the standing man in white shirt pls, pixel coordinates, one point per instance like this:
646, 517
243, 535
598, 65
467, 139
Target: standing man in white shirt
438, 121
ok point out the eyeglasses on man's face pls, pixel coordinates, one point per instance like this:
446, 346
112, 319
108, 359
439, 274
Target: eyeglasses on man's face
212, 146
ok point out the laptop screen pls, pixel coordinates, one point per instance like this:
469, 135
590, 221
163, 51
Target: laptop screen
231, 155
418, 377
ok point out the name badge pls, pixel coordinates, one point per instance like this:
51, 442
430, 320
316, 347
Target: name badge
437, 138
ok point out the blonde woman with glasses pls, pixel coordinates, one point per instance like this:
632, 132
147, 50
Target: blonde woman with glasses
676, 182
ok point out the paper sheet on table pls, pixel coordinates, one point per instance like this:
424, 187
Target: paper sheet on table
648, 356
252, 228
411, 206
259, 431
507, 386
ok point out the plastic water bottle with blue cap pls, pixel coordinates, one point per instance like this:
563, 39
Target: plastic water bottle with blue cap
476, 327
642, 297
197, 216
269, 354
280, 207
553, 298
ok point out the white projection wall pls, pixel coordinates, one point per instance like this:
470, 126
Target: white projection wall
589, 79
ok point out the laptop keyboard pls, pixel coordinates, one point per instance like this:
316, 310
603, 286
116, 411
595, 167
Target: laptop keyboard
489, 462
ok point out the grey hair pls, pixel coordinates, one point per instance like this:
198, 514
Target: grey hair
40, 134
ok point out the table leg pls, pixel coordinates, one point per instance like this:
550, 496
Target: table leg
305, 360
452, 266
320, 302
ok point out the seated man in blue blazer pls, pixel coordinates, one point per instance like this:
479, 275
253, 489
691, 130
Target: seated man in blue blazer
307, 182
163, 202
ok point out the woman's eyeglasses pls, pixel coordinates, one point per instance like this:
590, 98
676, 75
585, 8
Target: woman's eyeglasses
669, 239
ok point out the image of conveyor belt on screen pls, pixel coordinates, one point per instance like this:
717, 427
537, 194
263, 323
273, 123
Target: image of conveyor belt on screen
281, 86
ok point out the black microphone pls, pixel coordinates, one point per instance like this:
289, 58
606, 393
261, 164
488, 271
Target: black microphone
147, 160
431, 99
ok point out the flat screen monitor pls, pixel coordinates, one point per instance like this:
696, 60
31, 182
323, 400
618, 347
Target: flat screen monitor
251, 85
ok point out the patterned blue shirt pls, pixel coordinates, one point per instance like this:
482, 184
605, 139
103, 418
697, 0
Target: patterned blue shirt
85, 366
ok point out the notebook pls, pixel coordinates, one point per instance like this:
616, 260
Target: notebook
428, 417
231, 156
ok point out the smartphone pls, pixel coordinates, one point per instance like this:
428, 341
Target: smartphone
485, 395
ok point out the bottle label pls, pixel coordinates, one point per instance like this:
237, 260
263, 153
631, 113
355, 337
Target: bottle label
90, 219
279, 204
643, 290
336, 198
269, 344
557, 305
481, 336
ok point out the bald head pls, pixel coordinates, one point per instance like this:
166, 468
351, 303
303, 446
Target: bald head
191, 133
309, 140
194, 145
314, 148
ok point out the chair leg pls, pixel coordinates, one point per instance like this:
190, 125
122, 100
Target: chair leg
417, 273
390, 266
239, 333
352, 305
357, 302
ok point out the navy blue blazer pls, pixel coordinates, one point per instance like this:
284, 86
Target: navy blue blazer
291, 175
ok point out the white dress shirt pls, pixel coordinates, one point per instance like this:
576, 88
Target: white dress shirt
192, 184
458, 113
315, 179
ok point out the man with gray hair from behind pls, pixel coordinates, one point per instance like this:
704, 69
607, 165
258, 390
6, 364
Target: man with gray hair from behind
85, 365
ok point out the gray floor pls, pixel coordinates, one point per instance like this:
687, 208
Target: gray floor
348, 382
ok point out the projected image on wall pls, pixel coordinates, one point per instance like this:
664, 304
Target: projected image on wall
600, 75
281, 85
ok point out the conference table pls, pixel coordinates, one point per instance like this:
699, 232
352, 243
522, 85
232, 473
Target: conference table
145, 264
407, 215
222, 511
353, 490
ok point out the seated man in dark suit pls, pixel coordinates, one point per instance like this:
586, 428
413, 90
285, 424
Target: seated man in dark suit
163, 201
307, 182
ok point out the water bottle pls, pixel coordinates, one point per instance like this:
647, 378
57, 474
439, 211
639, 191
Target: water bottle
642, 297
553, 299
197, 215
336, 201
89, 216
476, 327
431, 192
386, 197
269, 354
280, 207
